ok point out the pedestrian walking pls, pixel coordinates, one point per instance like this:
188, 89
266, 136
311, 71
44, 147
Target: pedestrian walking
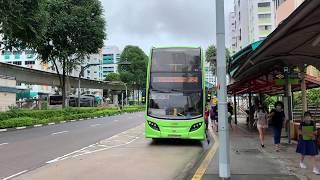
230, 113
214, 117
206, 116
277, 117
307, 145
261, 119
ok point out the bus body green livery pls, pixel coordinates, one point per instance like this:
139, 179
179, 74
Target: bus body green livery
175, 94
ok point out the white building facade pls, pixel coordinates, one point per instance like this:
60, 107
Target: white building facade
209, 76
232, 32
110, 58
29, 59
254, 21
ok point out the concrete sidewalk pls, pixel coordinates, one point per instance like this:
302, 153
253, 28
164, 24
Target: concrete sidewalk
251, 162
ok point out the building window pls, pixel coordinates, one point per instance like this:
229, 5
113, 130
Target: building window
16, 54
29, 62
17, 62
264, 4
264, 16
265, 28
6, 54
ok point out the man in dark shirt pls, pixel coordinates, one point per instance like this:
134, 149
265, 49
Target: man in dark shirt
277, 118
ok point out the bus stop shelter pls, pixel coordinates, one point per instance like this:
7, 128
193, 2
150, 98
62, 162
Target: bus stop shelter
277, 64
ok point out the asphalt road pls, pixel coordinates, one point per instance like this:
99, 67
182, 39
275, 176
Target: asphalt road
28, 149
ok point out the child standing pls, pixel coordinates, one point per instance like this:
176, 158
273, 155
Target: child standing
307, 145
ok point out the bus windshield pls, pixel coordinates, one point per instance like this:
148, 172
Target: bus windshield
175, 90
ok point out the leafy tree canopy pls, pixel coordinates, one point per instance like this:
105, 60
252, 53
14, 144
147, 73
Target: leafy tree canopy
211, 55
134, 74
113, 77
21, 22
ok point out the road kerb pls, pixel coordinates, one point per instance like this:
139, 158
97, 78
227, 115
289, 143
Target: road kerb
37, 125
205, 163
51, 123
3, 130
22, 127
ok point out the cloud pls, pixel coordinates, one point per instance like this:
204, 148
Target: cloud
160, 22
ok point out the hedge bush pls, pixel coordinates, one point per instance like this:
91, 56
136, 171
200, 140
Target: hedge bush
17, 118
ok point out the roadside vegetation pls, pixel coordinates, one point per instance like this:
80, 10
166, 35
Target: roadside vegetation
17, 118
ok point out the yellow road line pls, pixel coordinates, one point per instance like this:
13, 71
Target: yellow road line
205, 163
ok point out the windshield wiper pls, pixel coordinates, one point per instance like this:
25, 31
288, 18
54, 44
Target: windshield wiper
160, 90
183, 90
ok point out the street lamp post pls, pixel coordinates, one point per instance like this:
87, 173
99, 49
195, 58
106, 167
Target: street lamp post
224, 148
81, 75
97, 64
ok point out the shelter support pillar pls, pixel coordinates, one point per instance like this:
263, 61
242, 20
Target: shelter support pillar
235, 109
303, 93
115, 100
250, 109
288, 103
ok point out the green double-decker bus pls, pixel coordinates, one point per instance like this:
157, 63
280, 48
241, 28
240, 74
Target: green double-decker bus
175, 94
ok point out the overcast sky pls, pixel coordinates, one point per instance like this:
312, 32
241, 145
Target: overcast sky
148, 23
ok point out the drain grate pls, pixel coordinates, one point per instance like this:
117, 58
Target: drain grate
248, 151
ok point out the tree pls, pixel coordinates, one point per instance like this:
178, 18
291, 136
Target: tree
211, 57
21, 22
134, 74
113, 77
75, 29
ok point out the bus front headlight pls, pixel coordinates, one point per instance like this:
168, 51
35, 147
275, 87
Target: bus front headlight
196, 126
153, 126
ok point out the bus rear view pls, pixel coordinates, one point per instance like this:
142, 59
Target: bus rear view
175, 94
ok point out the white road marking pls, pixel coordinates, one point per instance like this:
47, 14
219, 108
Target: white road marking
51, 123
84, 152
116, 120
17, 174
23, 127
94, 125
3, 144
103, 147
61, 132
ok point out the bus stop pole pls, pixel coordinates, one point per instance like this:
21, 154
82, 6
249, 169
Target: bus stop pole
224, 148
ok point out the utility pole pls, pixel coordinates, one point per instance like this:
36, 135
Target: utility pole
224, 148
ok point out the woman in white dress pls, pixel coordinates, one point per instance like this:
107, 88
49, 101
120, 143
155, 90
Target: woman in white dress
261, 117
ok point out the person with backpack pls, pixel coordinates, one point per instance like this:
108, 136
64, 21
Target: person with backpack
307, 145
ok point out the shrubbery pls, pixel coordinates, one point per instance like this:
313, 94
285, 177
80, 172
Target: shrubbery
16, 118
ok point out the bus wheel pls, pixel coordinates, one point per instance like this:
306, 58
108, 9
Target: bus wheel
155, 139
